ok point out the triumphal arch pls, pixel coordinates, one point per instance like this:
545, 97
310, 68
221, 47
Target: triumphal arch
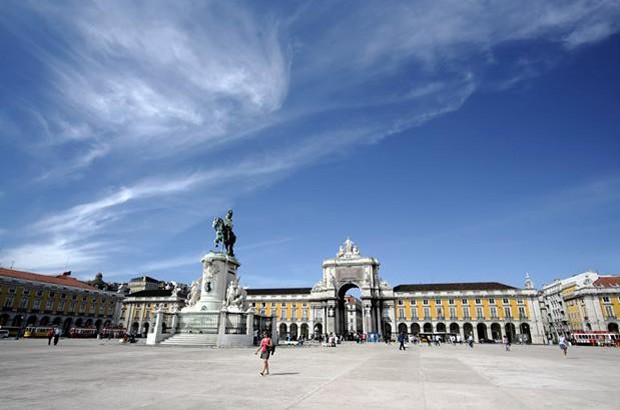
349, 269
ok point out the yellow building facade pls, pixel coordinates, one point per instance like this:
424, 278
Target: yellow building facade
31, 299
485, 310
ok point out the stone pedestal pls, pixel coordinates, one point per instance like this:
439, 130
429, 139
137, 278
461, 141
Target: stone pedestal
218, 270
217, 310
156, 335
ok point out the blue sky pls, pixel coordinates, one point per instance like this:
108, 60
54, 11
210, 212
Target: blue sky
453, 141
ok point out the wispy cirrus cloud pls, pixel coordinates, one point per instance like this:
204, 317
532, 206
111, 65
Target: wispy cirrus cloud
156, 105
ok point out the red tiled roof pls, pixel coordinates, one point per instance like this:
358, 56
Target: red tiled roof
607, 281
62, 280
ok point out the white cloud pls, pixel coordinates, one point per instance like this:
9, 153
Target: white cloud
170, 96
55, 256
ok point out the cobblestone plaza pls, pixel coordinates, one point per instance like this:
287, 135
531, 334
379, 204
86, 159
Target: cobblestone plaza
101, 374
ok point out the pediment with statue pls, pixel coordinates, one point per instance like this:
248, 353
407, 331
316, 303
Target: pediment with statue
350, 268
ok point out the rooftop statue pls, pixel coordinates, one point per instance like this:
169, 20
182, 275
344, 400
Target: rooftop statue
348, 250
224, 233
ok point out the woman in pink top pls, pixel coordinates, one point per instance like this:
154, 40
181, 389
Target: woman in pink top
265, 349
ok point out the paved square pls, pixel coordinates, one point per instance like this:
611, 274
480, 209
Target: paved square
100, 374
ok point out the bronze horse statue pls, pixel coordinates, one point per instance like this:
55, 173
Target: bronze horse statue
224, 233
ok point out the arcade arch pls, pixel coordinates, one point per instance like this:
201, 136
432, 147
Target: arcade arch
293, 331
304, 331
511, 332
67, 325
496, 331
526, 336
468, 330
482, 331
344, 309
612, 327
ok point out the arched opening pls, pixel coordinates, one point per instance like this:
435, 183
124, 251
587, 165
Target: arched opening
441, 328
387, 331
588, 326
612, 327
4, 319
89, 323
304, 331
79, 322
106, 324
415, 328
45, 320
17, 321
511, 333
67, 325
318, 331
135, 326
482, 331
454, 328
145, 328
526, 336
294, 331
56, 321
164, 327
349, 310
402, 328
32, 320
496, 331
283, 331
428, 328
468, 330
98, 325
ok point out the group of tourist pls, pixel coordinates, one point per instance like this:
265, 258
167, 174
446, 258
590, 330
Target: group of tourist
54, 333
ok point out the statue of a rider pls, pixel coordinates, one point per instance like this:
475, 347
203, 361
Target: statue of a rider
224, 232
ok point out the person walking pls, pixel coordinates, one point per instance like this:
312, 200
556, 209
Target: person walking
564, 344
265, 349
470, 340
401, 339
50, 336
506, 343
57, 333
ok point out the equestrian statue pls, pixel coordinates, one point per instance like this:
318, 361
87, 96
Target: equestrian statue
224, 233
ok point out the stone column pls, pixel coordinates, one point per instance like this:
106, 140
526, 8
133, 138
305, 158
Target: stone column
175, 320
218, 270
249, 323
365, 317
330, 319
155, 335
